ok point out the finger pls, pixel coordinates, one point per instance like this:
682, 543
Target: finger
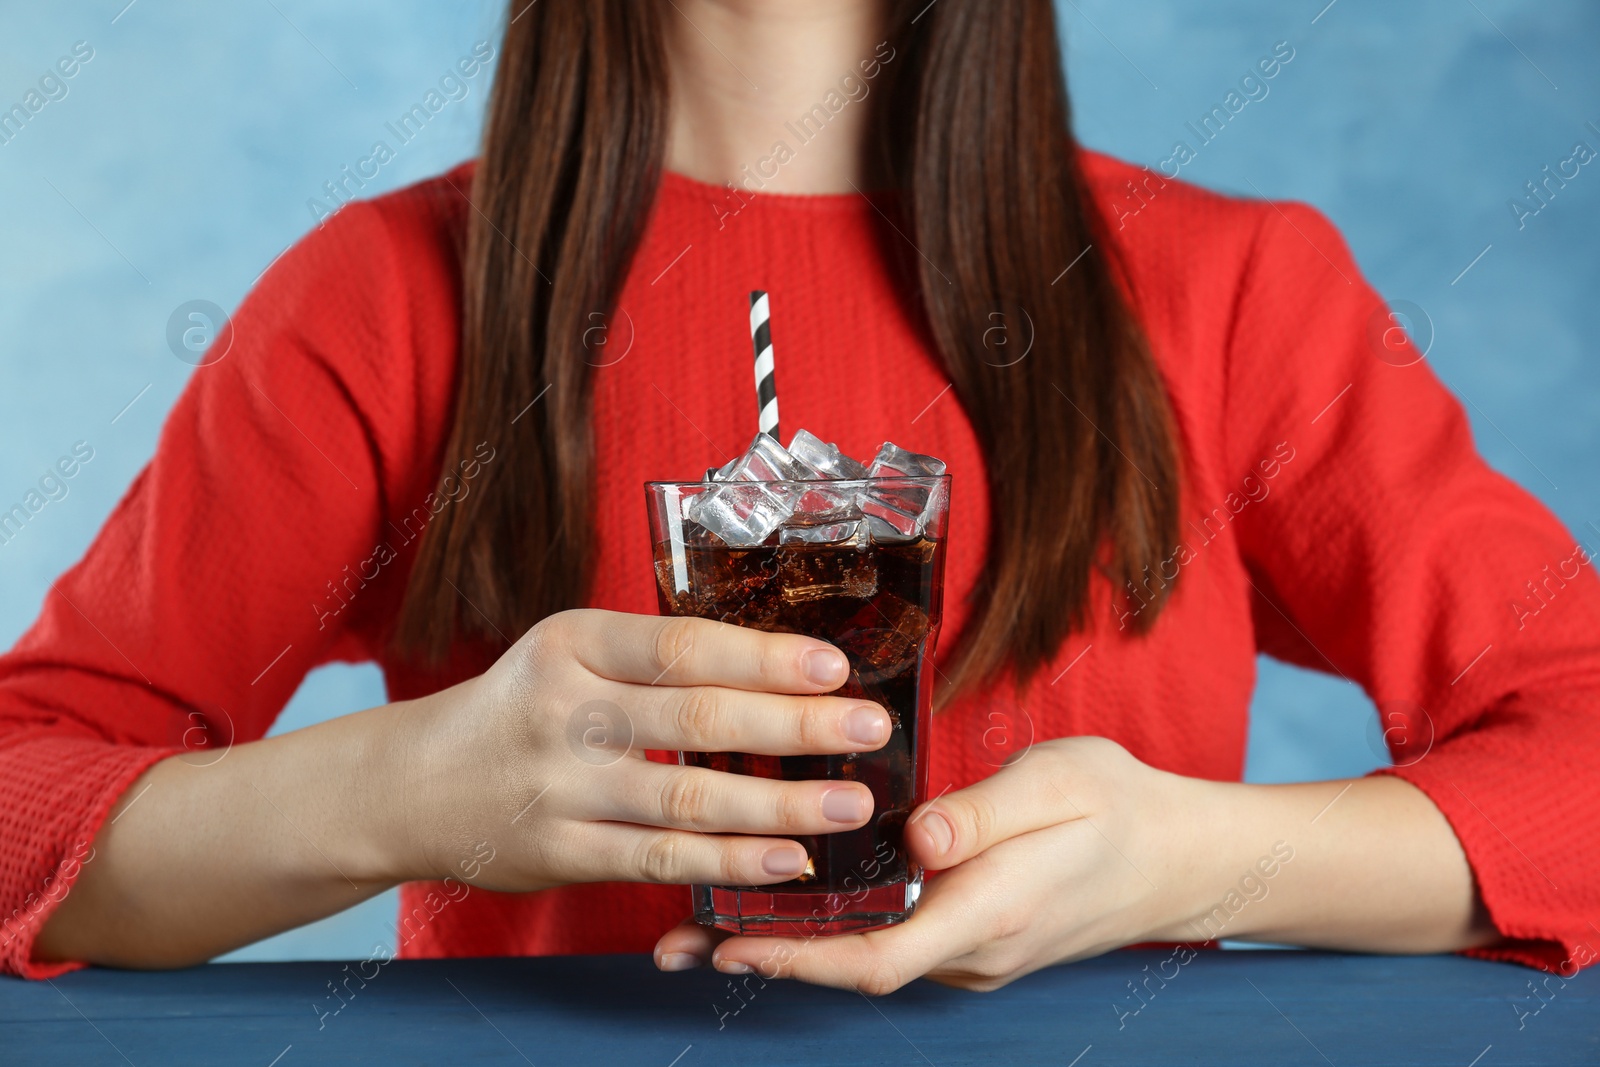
707, 801
1017, 799
705, 718
686, 651
627, 853
874, 963
687, 945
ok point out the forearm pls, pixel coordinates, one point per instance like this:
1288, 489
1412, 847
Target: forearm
1374, 867
208, 852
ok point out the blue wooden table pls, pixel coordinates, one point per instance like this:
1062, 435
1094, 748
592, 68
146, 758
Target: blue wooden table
1267, 1008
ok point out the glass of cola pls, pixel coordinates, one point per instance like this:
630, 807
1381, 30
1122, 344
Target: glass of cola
854, 561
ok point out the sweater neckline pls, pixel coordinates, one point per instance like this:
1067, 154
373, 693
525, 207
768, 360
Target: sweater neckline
678, 184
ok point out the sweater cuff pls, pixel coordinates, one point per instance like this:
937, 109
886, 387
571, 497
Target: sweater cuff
56, 792
1540, 906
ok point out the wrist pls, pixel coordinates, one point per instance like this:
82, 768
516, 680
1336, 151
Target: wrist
1206, 828
1241, 840
393, 772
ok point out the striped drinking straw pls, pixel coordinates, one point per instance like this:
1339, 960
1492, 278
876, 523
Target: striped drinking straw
766, 385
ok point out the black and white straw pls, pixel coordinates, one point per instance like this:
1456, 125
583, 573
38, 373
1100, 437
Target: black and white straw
766, 383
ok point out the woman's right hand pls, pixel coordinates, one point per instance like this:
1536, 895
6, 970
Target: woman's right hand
542, 756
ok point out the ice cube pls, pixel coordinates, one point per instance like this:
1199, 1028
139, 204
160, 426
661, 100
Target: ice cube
824, 457
884, 637
852, 532
816, 504
813, 572
764, 461
741, 514
886, 532
745, 512
898, 512
892, 461
825, 561
824, 461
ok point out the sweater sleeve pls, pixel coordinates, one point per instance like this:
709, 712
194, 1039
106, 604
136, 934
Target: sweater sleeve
1390, 554
207, 595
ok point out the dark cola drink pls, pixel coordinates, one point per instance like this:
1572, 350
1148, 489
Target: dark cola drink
875, 593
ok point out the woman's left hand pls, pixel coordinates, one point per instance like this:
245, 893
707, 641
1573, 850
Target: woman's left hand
1072, 850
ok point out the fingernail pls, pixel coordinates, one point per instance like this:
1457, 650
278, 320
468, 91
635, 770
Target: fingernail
733, 967
867, 725
785, 861
825, 666
845, 805
679, 961
940, 831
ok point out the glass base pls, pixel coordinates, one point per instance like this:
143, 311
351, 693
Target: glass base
816, 913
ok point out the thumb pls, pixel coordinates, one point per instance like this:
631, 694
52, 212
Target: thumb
951, 829
686, 946
958, 826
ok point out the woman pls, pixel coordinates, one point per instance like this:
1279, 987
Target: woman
425, 447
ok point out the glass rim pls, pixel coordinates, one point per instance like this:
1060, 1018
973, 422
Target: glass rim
905, 479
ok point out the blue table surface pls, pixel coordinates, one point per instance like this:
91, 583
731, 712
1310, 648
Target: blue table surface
1269, 1007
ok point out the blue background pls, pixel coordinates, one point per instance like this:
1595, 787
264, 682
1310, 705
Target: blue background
181, 160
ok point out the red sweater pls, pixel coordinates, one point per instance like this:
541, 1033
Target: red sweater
1338, 517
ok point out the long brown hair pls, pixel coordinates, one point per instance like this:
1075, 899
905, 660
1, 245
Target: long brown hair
975, 135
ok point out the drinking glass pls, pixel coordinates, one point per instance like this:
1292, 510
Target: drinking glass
875, 592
